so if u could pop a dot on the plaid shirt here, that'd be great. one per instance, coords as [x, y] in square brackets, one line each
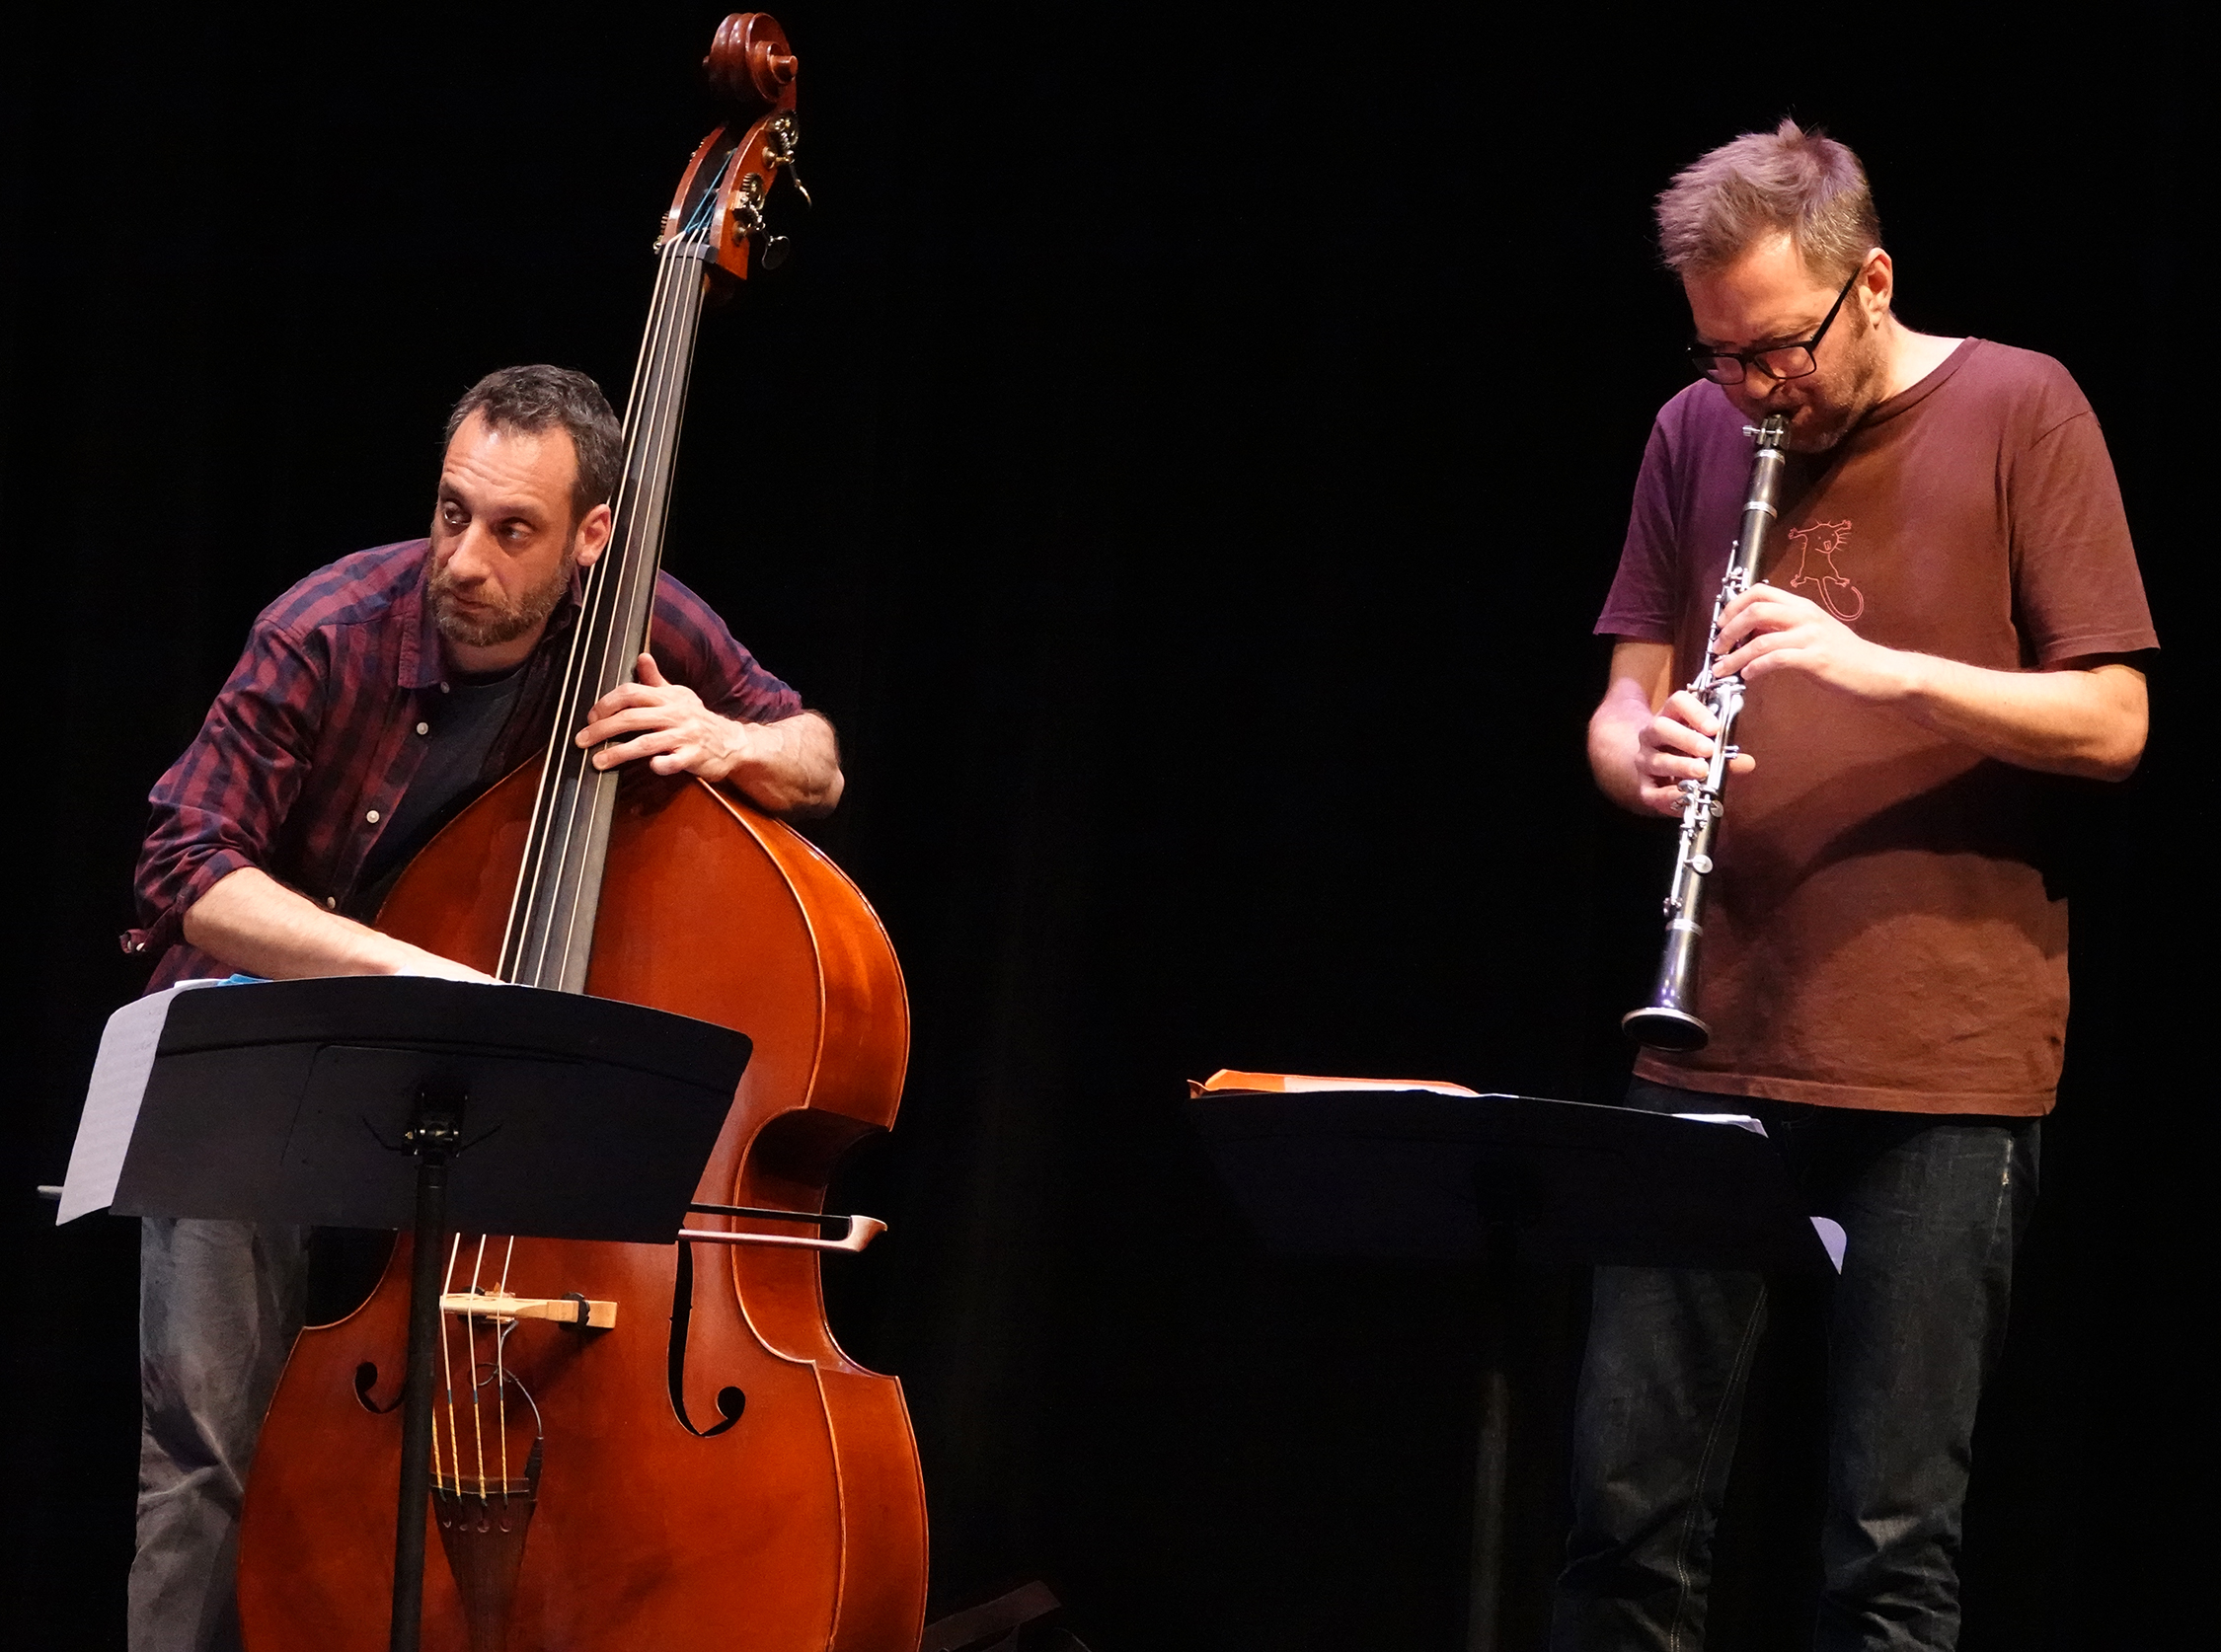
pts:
[311, 745]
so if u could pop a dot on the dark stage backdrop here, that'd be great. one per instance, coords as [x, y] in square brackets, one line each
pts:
[1185, 458]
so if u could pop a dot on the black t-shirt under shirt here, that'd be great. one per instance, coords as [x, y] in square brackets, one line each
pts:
[459, 733]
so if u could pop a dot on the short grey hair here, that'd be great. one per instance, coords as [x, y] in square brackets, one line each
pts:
[533, 400]
[1789, 180]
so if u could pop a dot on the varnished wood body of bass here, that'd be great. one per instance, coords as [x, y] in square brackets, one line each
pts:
[800, 1529]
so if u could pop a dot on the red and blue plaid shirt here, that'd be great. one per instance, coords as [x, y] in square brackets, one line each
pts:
[313, 740]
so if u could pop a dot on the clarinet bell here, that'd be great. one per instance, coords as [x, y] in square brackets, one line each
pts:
[1660, 1026]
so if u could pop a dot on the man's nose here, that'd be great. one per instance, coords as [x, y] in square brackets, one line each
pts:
[1761, 393]
[470, 559]
[1751, 397]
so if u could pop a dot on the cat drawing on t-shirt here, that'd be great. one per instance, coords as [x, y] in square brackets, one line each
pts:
[1819, 545]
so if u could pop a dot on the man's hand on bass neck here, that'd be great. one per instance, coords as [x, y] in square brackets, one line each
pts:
[791, 768]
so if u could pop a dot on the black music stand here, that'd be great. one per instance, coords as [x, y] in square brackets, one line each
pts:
[1418, 1175]
[1404, 1173]
[384, 1101]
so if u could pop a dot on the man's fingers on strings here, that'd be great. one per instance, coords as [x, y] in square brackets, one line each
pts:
[628, 695]
[650, 744]
[628, 721]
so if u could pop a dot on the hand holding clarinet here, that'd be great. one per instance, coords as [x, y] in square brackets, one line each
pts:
[1761, 630]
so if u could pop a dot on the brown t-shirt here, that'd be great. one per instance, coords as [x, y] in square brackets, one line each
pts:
[1878, 933]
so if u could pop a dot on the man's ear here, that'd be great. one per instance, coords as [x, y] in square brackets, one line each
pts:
[594, 534]
[1877, 282]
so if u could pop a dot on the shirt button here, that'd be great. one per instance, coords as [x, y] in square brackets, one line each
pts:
[424, 728]
[372, 817]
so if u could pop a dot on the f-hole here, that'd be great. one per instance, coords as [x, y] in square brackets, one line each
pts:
[731, 1401]
[367, 1379]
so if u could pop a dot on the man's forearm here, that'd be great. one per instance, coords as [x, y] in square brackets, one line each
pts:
[2081, 716]
[1613, 732]
[259, 926]
[791, 768]
[2087, 721]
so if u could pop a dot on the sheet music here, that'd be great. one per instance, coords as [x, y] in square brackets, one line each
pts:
[1741, 1121]
[111, 1100]
[1832, 1238]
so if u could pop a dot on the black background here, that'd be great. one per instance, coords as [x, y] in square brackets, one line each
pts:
[1185, 457]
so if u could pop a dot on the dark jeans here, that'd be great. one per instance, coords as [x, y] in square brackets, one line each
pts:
[1934, 1206]
[219, 1304]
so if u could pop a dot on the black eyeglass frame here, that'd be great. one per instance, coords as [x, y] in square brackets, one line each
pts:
[1704, 358]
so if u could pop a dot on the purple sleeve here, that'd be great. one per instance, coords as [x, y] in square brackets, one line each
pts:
[2076, 590]
[1643, 603]
[220, 805]
[693, 647]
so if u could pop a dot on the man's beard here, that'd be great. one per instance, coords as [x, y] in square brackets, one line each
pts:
[495, 621]
[1818, 424]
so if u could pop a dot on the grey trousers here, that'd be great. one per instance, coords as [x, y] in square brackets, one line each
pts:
[220, 1306]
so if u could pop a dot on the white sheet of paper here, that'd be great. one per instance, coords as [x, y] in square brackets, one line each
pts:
[111, 1101]
[1833, 1238]
[1741, 1121]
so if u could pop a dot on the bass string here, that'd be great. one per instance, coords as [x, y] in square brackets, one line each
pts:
[516, 967]
[500, 1372]
[470, 1353]
[615, 590]
[636, 577]
[544, 830]
[590, 643]
[633, 584]
[447, 1371]
[600, 622]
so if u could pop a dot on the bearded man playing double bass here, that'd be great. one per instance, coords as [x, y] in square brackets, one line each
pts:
[1949, 619]
[374, 700]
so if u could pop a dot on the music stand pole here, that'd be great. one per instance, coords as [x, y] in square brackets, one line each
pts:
[1493, 1453]
[436, 1134]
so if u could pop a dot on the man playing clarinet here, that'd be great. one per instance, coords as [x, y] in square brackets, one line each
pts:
[1947, 622]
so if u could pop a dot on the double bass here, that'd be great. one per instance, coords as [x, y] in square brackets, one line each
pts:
[633, 1446]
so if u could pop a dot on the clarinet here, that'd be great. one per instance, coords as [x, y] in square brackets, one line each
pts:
[1668, 1021]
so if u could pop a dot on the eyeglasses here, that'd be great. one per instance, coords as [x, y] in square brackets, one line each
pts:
[1779, 361]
